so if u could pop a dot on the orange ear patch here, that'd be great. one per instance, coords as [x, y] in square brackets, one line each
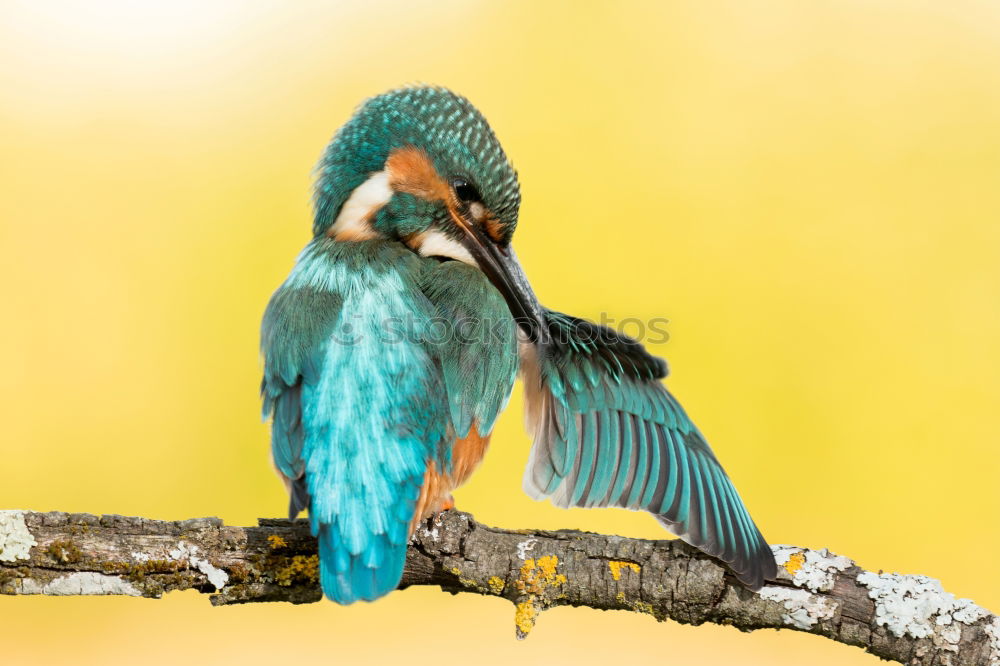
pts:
[494, 228]
[411, 171]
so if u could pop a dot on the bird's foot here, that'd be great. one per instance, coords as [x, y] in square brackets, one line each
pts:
[447, 503]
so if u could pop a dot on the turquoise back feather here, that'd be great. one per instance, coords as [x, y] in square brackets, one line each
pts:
[372, 405]
[367, 383]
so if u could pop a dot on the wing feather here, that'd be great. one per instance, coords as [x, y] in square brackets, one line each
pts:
[625, 467]
[607, 433]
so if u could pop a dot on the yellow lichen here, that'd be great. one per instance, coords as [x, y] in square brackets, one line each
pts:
[496, 584]
[536, 579]
[238, 573]
[643, 607]
[137, 573]
[537, 576]
[302, 568]
[524, 617]
[637, 605]
[276, 541]
[465, 582]
[616, 567]
[64, 551]
[794, 563]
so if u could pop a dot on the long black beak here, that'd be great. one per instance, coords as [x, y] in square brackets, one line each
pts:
[502, 268]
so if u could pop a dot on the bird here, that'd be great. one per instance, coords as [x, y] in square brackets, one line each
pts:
[395, 342]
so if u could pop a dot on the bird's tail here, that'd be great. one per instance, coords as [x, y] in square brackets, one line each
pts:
[363, 537]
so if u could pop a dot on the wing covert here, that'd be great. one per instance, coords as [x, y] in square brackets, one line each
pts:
[296, 325]
[478, 348]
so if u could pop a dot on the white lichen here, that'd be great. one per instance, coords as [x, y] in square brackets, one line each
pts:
[919, 607]
[804, 609]
[82, 582]
[189, 552]
[16, 541]
[993, 631]
[815, 570]
[967, 611]
[215, 575]
[426, 532]
[948, 637]
[524, 547]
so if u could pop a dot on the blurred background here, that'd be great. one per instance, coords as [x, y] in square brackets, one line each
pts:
[808, 191]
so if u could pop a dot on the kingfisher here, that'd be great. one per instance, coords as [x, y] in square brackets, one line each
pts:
[394, 344]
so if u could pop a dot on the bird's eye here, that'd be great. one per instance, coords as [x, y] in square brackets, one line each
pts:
[465, 191]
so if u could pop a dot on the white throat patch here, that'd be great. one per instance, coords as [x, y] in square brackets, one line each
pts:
[433, 243]
[354, 220]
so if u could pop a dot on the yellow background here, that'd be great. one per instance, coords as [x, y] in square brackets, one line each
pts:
[807, 190]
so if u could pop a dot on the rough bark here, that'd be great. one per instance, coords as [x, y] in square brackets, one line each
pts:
[908, 619]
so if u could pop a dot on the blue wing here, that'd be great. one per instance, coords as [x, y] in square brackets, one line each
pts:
[607, 433]
[479, 349]
[358, 405]
[296, 326]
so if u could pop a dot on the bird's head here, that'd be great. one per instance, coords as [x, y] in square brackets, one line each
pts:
[421, 166]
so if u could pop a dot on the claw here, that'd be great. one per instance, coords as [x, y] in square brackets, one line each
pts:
[448, 503]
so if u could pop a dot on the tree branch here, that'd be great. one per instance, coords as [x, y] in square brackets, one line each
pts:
[908, 619]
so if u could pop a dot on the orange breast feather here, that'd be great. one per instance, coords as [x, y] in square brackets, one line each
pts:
[466, 453]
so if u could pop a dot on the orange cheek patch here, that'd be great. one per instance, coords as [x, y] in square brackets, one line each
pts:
[411, 171]
[493, 228]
